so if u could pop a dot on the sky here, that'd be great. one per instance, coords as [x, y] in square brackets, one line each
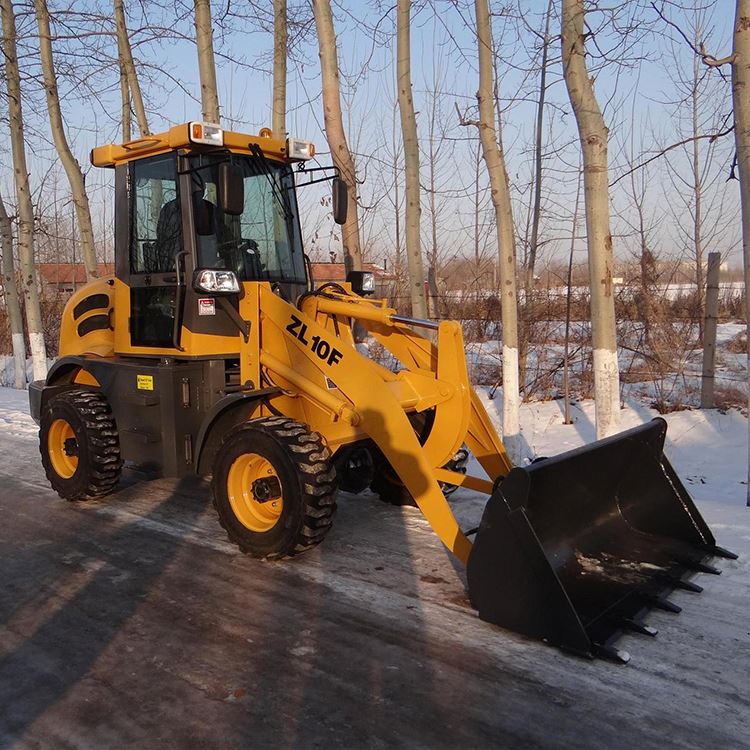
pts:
[634, 79]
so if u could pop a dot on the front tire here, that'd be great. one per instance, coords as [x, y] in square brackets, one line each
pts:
[274, 487]
[79, 445]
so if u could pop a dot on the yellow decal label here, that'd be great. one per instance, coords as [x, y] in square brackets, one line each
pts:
[145, 382]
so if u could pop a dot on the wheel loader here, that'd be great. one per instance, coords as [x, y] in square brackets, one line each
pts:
[210, 352]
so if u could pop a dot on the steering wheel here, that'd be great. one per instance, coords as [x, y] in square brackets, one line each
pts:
[251, 258]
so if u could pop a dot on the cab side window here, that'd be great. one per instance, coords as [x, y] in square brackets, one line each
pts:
[156, 221]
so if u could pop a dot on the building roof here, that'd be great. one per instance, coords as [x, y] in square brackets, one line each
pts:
[336, 272]
[70, 273]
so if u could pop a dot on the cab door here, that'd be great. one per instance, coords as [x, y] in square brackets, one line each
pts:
[150, 249]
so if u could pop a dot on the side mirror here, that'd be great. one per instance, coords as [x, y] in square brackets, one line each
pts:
[340, 200]
[231, 189]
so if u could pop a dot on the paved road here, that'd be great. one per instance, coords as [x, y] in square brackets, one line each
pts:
[132, 622]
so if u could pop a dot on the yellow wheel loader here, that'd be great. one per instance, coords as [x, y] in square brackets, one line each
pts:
[209, 352]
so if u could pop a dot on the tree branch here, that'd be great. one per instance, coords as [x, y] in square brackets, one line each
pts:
[711, 136]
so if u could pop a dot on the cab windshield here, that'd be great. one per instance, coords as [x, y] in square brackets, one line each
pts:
[263, 243]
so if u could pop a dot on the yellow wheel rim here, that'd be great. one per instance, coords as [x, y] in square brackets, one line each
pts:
[62, 447]
[241, 489]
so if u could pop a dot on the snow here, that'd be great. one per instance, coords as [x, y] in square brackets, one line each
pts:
[381, 590]
[708, 449]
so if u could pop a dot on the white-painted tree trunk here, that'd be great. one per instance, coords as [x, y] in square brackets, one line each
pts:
[593, 136]
[741, 101]
[29, 287]
[19, 360]
[70, 163]
[10, 296]
[38, 355]
[335, 134]
[204, 40]
[414, 260]
[506, 243]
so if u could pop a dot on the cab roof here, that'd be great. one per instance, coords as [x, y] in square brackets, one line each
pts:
[179, 137]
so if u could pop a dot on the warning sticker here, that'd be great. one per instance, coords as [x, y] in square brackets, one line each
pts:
[330, 384]
[145, 382]
[206, 306]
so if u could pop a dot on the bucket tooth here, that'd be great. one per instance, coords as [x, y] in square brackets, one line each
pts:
[659, 602]
[722, 552]
[699, 567]
[683, 585]
[610, 653]
[634, 626]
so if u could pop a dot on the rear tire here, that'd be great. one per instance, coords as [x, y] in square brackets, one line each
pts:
[79, 445]
[274, 487]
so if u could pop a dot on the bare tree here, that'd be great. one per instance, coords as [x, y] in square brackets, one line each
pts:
[204, 40]
[741, 101]
[10, 297]
[23, 194]
[334, 126]
[538, 160]
[411, 161]
[593, 136]
[495, 162]
[70, 163]
[130, 88]
[280, 41]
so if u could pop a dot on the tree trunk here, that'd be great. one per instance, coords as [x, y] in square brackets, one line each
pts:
[697, 188]
[537, 210]
[125, 118]
[500, 190]
[69, 162]
[411, 162]
[334, 126]
[593, 135]
[125, 56]
[204, 40]
[432, 271]
[10, 297]
[741, 102]
[280, 36]
[23, 195]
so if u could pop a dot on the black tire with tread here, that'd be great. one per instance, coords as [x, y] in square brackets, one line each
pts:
[305, 469]
[99, 462]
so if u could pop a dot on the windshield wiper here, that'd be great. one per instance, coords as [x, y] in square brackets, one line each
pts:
[269, 171]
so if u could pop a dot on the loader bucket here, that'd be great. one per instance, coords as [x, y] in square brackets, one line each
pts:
[575, 549]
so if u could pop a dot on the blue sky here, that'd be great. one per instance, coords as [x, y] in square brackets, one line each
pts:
[635, 85]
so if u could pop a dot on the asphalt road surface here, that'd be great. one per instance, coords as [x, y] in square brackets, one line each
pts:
[133, 622]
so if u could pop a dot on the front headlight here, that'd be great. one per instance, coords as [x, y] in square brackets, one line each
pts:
[206, 132]
[212, 281]
[363, 282]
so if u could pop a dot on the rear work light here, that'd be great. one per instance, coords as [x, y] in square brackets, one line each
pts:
[299, 150]
[207, 133]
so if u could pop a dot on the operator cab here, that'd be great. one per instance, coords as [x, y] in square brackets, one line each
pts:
[199, 211]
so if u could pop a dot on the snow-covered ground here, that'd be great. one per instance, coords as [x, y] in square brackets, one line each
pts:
[132, 619]
[708, 449]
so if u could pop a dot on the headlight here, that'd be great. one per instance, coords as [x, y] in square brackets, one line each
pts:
[363, 282]
[300, 150]
[206, 132]
[215, 282]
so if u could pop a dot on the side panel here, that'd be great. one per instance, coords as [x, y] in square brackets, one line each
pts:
[159, 405]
